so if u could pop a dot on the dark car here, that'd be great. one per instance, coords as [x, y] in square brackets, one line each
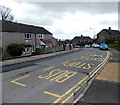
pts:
[103, 46]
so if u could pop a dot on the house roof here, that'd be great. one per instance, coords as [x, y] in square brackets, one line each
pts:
[86, 38]
[78, 39]
[64, 42]
[47, 41]
[8, 26]
[113, 32]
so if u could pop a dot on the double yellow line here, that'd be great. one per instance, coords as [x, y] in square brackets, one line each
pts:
[92, 73]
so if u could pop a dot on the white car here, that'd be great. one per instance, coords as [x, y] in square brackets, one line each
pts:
[95, 45]
[87, 46]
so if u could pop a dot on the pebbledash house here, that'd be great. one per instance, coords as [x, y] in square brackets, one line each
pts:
[30, 36]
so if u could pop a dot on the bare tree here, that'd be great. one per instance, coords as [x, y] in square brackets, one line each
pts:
[6, 13]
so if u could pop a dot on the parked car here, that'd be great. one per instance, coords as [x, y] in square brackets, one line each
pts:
[103, 46]
[95, 45]
[115, 42]
[77, 46]
[87, 46]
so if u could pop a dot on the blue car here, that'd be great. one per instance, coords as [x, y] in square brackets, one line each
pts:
[103, 46]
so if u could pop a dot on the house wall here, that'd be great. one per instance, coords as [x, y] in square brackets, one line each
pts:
[46, 37]
[12, 37]
[103, 36]
[75, 41]
[55, 42]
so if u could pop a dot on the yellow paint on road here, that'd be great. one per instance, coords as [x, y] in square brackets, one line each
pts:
[104, 61]
[49, 68]
[56, 101]
[83, 80]
[51, 74]
[58, 75]
[68, 98]
[75, 59]
[14, 81]
[52, 94]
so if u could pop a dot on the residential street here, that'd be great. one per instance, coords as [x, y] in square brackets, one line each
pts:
[52, 79]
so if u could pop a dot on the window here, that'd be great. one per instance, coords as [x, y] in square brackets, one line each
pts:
[28, 36]
[40, 36]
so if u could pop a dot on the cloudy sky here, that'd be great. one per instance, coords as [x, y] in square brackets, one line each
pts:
[66, 19]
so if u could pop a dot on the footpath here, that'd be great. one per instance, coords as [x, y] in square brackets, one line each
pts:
[36, 57]
[104, 89]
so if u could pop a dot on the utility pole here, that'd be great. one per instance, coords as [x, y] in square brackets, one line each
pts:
[93, 34]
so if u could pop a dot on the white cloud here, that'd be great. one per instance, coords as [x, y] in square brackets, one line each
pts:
[66, 20]
[80, 23]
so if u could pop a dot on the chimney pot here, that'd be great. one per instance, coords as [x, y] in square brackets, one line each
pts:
[109, 28]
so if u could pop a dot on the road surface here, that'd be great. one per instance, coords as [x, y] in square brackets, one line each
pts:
[50, 80]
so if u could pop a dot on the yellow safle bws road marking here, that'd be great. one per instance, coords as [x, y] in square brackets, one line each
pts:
[14, 81]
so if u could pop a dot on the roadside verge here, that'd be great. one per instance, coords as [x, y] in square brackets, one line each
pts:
[36, 57]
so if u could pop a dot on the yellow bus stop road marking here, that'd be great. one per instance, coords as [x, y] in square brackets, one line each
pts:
[52, 94]
[60, 97]
[14, 81]
[49, 68]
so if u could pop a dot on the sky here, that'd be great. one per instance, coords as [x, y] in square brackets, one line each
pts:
[66, 19]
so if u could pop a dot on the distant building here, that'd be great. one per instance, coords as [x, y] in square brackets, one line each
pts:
[108, 36]
[81, 40]
[64, 42]
[31, 37]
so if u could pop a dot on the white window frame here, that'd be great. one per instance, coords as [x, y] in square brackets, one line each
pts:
[29, 36]
[40, 36]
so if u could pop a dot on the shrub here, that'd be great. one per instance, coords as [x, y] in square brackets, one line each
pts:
[15, 49]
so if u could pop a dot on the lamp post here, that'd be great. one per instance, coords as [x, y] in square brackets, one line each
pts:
[93, 34]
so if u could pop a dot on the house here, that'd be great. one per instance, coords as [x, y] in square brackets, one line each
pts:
[31, 37]
[81, 40]
[64, 42]
[108, 36]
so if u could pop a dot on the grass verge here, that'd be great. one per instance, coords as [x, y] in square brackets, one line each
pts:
[10, 57]
[115, 46]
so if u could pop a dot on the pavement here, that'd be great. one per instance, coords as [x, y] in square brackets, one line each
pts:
[104, 90]
[36, 57]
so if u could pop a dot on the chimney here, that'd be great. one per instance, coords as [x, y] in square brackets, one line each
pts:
[109, 28]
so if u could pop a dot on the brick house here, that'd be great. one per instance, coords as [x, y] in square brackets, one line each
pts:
[108, 36]
[31, 37]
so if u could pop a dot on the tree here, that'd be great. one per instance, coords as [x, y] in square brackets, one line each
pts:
[6, 13]
[15, 49]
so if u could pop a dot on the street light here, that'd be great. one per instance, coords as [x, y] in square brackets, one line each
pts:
[93, 33]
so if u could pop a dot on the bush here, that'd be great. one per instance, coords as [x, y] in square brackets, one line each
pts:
[115, 46]
[15, 49]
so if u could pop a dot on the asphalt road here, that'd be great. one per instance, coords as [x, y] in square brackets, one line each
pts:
[49, 80]
[105, 88]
